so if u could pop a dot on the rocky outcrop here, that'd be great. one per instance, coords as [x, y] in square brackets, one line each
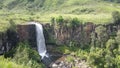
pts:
[8, 40]
[63, 62]
[54, 35]
[79, 35]
[27, 33]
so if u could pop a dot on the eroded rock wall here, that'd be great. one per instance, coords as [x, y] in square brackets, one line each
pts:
[78, 35]
[27, 33]
[8, 40]
[65, 35]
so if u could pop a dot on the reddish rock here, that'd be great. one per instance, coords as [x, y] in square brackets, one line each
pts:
[27, 33]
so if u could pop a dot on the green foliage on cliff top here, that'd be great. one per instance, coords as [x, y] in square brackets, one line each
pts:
[96, 11]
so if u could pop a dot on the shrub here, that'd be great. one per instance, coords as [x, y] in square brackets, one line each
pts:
[102, 35]
[70, 59]
[52, 21]
[27, 56]
[116, 16]
[111, 44]
[96, 58]
[109, 61]
[7, 63]
[75, 22]
[12, 25]
[117, 60]
[59, 20]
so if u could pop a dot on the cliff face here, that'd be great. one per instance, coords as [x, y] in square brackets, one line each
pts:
[79, 35]
[27, 33]
[1, 43]
[23, 33]
[8, 40]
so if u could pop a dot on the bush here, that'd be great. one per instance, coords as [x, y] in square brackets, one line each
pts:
[27, 56]
[52, 21]
[101, 36]
[117, 61]
[59, 20]
[96, 58]
[111, 44]
[7, 63]
[75, 22]
[116, 16]
[12, 25]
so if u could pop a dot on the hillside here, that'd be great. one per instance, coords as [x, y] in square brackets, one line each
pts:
[96, 11]
[61, 6]
[59, 33]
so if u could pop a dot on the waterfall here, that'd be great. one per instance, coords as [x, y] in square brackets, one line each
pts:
[40, 40]
[45, 57]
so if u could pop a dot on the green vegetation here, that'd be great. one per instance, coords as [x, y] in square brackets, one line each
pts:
[26, 56]
[101, 51]
[102, 36]
[116, 16]
[96, 57]
[21, 57]
[7, 63]
[21, 11]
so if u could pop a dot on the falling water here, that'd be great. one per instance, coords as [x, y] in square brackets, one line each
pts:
[41, 44]
[40, 40]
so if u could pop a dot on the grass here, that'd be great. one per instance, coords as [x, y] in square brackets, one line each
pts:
[96, 11]
[7, 63]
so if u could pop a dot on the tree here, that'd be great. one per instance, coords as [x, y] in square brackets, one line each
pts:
[118, 39]
[93, 39]
[109, 62]
[59, 20]
[111, 44]
[52, 21]
[75, 22]
[116, 1]
[101, 35]
[1, 5]
[116, 16]
[12, 25]
[117, 59]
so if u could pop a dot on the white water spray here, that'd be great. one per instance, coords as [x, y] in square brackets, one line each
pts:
[40, 39]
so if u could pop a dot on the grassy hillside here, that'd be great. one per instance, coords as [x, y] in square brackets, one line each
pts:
[96, 11]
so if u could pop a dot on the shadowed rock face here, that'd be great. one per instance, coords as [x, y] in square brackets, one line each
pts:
[80, 34]
[1, 43]
[27, 33]
[8, 40]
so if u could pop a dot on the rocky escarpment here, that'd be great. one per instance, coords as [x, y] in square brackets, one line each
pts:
[8, 40]
[78, 35]
[54, 35]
